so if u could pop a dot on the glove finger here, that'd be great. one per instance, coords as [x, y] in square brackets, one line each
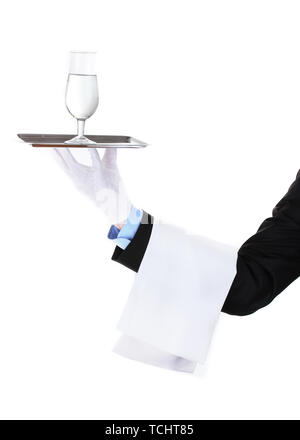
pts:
[96, 161]
[70, 164]
[66, 157]
[110, 157]
[60, 160]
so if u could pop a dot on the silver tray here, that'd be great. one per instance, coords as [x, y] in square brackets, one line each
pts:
[102, 141]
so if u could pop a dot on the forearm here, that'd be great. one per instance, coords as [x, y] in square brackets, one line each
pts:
[269, 260]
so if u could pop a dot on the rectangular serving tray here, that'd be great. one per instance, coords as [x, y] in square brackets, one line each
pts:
[102, 141]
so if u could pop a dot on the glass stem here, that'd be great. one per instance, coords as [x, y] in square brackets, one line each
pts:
[80, 127]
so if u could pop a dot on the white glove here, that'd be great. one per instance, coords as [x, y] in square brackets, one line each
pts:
[101, 181]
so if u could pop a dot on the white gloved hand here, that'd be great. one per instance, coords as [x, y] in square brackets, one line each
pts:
[101, 181]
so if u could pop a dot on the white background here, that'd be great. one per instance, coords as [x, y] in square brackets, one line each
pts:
[214, 87]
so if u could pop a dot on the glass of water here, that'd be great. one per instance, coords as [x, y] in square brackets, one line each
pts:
[82, 92]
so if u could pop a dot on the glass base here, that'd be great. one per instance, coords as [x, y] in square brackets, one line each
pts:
[80, 140]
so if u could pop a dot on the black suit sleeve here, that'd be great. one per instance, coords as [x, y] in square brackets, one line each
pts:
[270, 260]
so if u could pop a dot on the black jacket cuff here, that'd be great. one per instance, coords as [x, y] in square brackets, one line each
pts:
[133, 255]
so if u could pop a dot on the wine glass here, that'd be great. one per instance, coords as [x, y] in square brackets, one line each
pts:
[82, 92]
